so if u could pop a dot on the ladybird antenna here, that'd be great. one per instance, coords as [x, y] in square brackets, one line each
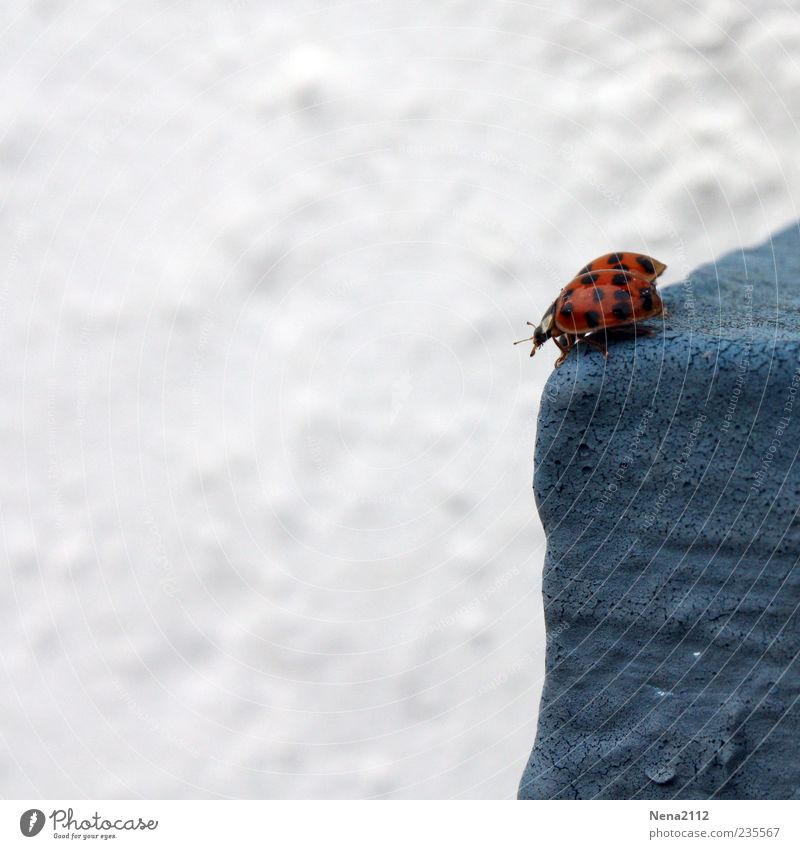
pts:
[530, 338]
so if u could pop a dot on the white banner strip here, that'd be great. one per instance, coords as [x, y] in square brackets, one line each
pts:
[387, 825]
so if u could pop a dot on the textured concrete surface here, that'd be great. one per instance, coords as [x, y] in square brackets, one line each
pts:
[668, 484]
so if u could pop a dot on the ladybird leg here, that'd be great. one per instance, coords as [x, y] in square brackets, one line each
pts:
[564, 347]
[597, 344]
[632, 331]
[642, 330]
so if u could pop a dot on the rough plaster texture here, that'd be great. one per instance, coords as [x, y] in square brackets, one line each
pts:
[265, 518]
[668, 483]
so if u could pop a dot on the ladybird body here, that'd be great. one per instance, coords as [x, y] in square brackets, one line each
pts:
[616, 290]
[605, 299]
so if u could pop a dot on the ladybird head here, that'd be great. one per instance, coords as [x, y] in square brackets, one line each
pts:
[541, 331]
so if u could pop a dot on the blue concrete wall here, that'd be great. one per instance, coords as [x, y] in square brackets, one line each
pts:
[668, 482]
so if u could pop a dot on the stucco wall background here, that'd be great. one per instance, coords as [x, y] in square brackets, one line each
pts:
[266, 509]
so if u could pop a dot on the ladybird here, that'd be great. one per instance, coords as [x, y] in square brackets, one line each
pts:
[614, 290]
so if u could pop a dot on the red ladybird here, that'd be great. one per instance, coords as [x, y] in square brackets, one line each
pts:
[614, 290]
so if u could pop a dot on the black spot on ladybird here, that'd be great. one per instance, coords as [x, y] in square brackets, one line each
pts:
[622, 312]
[646, 263]
[585, 269]
[568, 293]
[598, 295]
[616, 258]
[592, 318]
[647, 298]
[621, 266]
[620, 279]
[589, 279]
[566, 310]
[622, 295]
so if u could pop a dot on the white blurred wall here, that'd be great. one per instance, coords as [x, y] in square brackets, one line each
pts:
[266, 513]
